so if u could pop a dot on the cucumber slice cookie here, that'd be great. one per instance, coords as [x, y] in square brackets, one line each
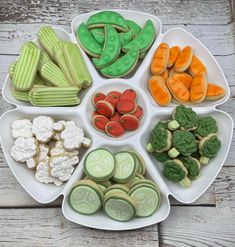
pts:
[99, 165]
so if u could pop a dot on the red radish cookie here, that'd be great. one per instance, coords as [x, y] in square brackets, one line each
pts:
[118, 94]
[98, 96]
[129, 122]
[116, 117]
[112, 99]
[129, 94]
[114, 129]
[139, 112]
[126, 106]
[104, 108]
[94, 113]
[99, 122]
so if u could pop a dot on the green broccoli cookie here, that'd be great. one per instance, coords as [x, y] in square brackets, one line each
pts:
[192, 165]
[186, 117]
[159, 140]
[209, 146]
[174, 170]
[184, 142]
[206, 125]
[161, 124]
[161, 156]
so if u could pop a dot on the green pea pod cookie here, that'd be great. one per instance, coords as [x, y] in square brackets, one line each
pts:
[99, 30]
[26, 68]
[133, 26]
[111, 48]
[76, 65]
[87, 42]
[107, 17]
[126, 37]
[123, 66]
[99, 37]
[144, 39]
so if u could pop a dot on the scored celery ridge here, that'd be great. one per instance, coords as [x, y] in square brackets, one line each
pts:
[76, 65]
[26, 68]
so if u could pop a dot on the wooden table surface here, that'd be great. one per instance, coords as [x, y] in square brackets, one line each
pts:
[210, 221]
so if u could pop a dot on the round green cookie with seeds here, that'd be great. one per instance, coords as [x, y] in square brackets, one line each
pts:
[209, 146]
[186, 117]
[206, 125]
[184, 141]
[174, 170]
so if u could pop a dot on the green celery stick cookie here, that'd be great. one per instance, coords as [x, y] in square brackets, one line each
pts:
[174, 170]
[53, 74]
[107, 17]
[123, 66]
[144, 39]
[76, 65]
[133, 26]
[11, 69]
[87, 42]
[26, 68]
[209, 146]
[186, 117]
[99, 37]
[23, 96]
[111, 48]
[206, 125]
[47, 38]
[184, 142]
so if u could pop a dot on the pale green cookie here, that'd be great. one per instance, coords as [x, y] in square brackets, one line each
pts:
[111, 48]
[144, 39]
[133, 26]
[123, 66]
[107, 17]
[23, 96]
[87, 42]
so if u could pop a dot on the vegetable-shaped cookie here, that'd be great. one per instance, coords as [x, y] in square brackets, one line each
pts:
[24, 148]
[165, 74]
[160, 59]
[135, 28]
[21, 128]
[174, 53]
[185, 78]
[159, 91]
[161, 124]
[174, 170]
[178, 90]
[43, 152]
[184, 59]
[206, 125]
[114, 129]
[144, 39]
[123, 65]
[107, 17]
[184, 142]
[161, 156]
[186, 117]
[209, 146]
[111, 48]
[192, 165]
[196, 66]
[214, 92]
[159, 140]
[99, 122]
[198, 88]
[86, 197]
[87, 42]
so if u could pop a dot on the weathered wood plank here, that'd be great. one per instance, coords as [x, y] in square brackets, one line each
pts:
[198, 226]
[62, 12]
[221, 193]
[48, 227]
[219, 39]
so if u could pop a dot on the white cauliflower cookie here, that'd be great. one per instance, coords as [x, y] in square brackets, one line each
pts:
[57, 137]
[42, 174]
[21, 128]
[24, 149]
[58, 149]
[61, 167]
[31, 163]
[42, 128]
[58, 126]
[72, 137]
[43, 152]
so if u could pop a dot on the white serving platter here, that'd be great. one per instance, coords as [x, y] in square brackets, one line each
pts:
[129, 141]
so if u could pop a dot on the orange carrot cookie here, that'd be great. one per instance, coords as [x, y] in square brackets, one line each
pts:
[198, 88]
[159, 91]
[178, 90]
[174, 53]
[184, 59]
[196, 66]
[165, 74]
[186, 79]
[160, 59]
[214, 92]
